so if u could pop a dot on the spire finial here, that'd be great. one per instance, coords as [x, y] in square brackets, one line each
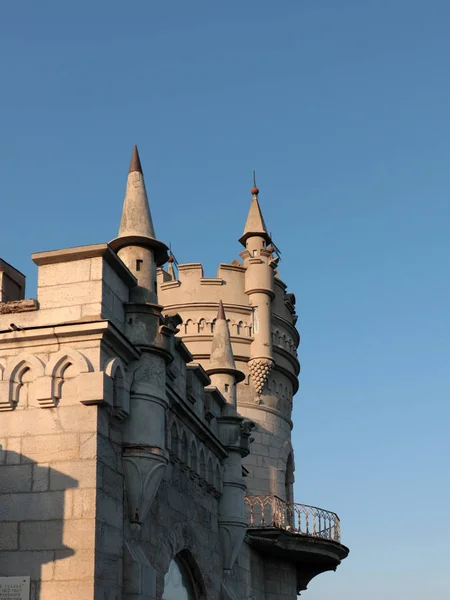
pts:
[135, 164]
[221, 311]
[254, 191]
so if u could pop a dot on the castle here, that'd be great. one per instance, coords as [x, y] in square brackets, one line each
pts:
[145, 438]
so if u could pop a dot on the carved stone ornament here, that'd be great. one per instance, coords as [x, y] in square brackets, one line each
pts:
[46, 380]
[259, 371]
[144, 468]
[232, 535]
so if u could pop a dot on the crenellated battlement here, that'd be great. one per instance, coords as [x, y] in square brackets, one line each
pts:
[227, 286]
[188, 289]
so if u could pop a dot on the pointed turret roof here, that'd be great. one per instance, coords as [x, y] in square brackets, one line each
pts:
[136, 225]
[222, 359]
[255, 221]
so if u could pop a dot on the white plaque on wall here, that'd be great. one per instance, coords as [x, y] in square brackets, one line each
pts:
[15, 588]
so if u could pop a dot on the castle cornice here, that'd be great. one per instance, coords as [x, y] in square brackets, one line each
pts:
[82, 330]
[268, 409]
[239, 308]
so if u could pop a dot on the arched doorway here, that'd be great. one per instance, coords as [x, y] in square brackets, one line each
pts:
[181, 582]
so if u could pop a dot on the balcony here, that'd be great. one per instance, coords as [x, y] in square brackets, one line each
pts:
[307, 536]
[301, 519]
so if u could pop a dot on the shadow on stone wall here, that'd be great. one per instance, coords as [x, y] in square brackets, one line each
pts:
[32, 519]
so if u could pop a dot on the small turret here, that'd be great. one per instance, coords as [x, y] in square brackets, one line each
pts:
[222, 368]
[259, 287]
[136, 243]
[233, 433]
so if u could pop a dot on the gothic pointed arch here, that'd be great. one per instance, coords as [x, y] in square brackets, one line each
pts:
[70, 376]
[286, 465]
[210, 472]
[217, 478]
[115, 369]
[194, 456]
[202, 464]
[184, 448]
[65, 357]
[182, 546]
[174, 441]
[23, 369]
[183, 578]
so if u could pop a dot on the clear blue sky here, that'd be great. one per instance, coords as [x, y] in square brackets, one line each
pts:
[343, 109]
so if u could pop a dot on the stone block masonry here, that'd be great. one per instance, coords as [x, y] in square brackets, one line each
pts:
[48, 482]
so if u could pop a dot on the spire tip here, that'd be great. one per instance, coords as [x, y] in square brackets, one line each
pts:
[254, 191]
[135, 164]
[221, 311]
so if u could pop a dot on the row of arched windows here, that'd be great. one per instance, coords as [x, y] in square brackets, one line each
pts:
[206, 326]
[284, 341]
[282, 391]
[185, 448]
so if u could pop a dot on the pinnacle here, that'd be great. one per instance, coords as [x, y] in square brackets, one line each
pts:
[135, 164]
[222, 359]
[221, 350]
[221, 312]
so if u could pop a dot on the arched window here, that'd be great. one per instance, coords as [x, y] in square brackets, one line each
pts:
[184, 449]
[289, 479]
[194, 463]
[174, 440]
[180, 582]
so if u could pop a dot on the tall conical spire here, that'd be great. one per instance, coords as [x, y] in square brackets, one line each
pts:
[136, 217]
[222, 360]
[136, 225]
[255, 222]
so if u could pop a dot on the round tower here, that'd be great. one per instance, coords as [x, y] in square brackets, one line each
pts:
[261, 319]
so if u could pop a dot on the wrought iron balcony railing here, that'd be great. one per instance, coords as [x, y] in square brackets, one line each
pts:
[271, 511]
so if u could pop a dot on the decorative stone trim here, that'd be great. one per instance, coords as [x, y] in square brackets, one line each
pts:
[12, 378]
[144, 467]
[92, 387]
